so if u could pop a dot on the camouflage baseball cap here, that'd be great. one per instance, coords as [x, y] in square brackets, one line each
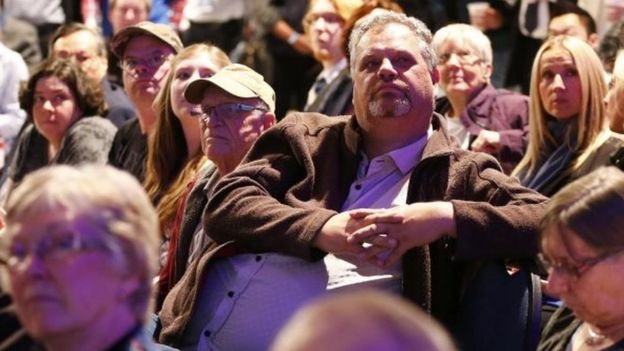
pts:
[159, 31]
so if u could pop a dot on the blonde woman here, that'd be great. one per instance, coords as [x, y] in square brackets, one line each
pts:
[174, 152]
[569, 132]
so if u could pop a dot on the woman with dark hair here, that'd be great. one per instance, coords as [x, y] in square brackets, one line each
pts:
[63, 108]
[583, 243]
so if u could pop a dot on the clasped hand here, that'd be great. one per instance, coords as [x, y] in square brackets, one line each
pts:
[382, 236]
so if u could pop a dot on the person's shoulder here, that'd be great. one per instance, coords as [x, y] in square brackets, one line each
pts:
[312, 122]
[94, 125]
[130, 128]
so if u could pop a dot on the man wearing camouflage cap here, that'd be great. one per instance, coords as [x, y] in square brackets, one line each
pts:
[145, 51]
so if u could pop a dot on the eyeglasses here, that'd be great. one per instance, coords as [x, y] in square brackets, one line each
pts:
[328, 17]
[575, 270]
[463, 57]
[52, 248]
[153, 61]
[229, 110]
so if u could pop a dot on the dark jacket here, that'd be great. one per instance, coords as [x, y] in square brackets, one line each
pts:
[335, 98]
[297, 175]
[120, 108]
[501, 111]
[129, 149]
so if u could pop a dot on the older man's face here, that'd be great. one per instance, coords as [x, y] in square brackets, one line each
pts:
[227, 131]
[393, 86]
[81, 47]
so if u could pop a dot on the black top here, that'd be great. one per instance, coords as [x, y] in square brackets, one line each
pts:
[559, 331]
[129, 149]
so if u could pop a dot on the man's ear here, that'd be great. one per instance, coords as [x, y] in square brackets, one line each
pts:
[268, 120]
[435, 75]
[593, 40]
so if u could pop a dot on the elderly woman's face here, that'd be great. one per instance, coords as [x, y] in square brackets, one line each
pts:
[188, 70]
[559, 84]
[54, 109]
[585, 280]
[461, 69]
[62, 276]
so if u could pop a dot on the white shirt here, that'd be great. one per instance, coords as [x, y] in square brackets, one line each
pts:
[457, 129]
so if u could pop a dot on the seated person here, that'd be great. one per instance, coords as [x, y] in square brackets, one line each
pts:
[86, 47]
[569, 132]
[324, 23]
[224, 142]
[81, 274]
[64, 108]
[482, 118]
[379, 199]
[582, 241]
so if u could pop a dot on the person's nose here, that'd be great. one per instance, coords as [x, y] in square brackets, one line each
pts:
[558, 82]
[386, 70]
[130, 15]
[47, 105]
[453, 60]
[32, 266]
[142, 69]
[557, 283]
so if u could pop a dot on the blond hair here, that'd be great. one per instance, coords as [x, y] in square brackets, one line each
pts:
[592, 123]
[169, 167]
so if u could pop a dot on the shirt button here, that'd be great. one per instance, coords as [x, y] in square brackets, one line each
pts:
[230, 294]
[207, 333]
[258, 258]
[358, 186]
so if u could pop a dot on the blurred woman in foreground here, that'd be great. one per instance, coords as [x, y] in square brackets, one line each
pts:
[583, 243]
[80, 275]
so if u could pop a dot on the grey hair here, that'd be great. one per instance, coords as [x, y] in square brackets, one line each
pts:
[384, 17]
[465, 34]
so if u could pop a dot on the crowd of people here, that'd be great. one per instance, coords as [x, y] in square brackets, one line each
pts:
[311, 175]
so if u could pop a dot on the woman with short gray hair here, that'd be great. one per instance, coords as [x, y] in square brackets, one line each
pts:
[480, 116]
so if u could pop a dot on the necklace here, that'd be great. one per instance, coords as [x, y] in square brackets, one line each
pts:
[594, 338]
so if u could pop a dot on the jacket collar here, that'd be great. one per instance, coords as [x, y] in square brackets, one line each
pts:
[439, 144]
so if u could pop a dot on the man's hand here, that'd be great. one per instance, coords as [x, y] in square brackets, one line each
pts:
[410, 225]
[487, 141]
[333, 235]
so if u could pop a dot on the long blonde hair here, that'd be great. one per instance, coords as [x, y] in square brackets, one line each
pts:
[592, 123]
[169, 167]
